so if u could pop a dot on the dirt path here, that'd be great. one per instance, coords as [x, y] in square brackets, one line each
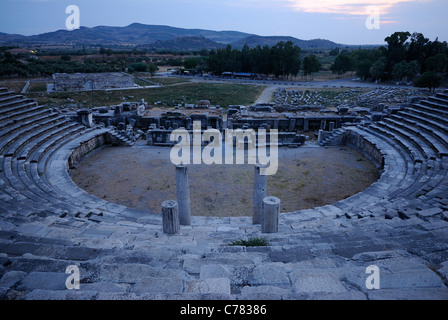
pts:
[143, 177]
[266, 96]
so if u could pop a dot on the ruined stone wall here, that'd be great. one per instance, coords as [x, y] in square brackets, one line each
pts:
[89, 81]
[85, 148]
[369, 150]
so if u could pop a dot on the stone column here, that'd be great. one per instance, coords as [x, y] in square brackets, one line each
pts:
[332, 125]
[306, 124]
[260, 186]
[292, 125]
[271, 212]
[323, 125]
[320, 136]
[149, 138]
[183, 195]
[170, 217]
[85, 116]
[188, 123]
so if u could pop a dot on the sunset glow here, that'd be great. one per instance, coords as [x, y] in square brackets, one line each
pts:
[349, 7]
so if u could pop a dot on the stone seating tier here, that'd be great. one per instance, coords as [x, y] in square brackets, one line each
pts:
[48, 223]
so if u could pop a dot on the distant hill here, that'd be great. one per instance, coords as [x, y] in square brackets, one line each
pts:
[254, 40]
[186, 44]
[155, 37]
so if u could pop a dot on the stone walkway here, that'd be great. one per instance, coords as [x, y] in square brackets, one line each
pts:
[314, 256]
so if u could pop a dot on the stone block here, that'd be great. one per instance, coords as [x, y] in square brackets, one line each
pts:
[270, 274]
[210, 285]
[60, 295]
[304, 281]
[238, 275]
[159, 285]
[429, 213]
[43, 281]
[264, 293]
[11, 278]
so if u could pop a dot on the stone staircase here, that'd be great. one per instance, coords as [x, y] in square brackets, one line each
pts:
[47, 223]
[334, 138]
[118, 139]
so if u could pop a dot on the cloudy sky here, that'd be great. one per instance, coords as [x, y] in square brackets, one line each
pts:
[342, 21]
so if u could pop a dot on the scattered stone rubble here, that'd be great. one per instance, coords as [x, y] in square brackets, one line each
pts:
[354, 99]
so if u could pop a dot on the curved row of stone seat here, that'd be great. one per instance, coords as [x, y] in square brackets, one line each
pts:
[49, 223]
[46, 142]
[35, 148]
[414, 146]
[29, 133]
[397, 173]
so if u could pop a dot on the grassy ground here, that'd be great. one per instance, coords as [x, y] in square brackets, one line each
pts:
[13, 85]
[171, 95]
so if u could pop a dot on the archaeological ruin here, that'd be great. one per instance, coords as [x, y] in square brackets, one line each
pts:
[399, 224]
[92, 81]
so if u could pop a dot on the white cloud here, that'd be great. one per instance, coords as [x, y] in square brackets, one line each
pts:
[347, 7]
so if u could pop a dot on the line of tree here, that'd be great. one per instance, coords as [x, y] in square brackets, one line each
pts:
[406, 57]
[11, 65]
[282, 60]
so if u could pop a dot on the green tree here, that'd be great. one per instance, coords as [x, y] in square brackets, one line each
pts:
[190, 63]
[138, 67]
[342, 64]
[396, 49]
[430, 80]
[153, 68]
[412, 69]
[285, 59]
[437, 63]
[418, 48]
[66, 58]
[378, 68]
[363, 69]
[335, 52]
[311, 65]
[405, 70]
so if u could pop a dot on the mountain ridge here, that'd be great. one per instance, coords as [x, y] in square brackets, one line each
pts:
[155, 36]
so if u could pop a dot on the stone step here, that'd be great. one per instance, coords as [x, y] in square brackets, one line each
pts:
[441, 121]
[421, 141]
[45, 115]
[41, 154]
[5, 92]
[68, 129]
[409, 146]
[35, 132]
[428, 107]
[440, 99]
[423, 121]
[24, 119]
[438, 139]
[413, 130]
[16, 106]
[23, 112]
[408, 173]
[5, 100]
[442, 96]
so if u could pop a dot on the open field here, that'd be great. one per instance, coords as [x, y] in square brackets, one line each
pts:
[171, 95]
